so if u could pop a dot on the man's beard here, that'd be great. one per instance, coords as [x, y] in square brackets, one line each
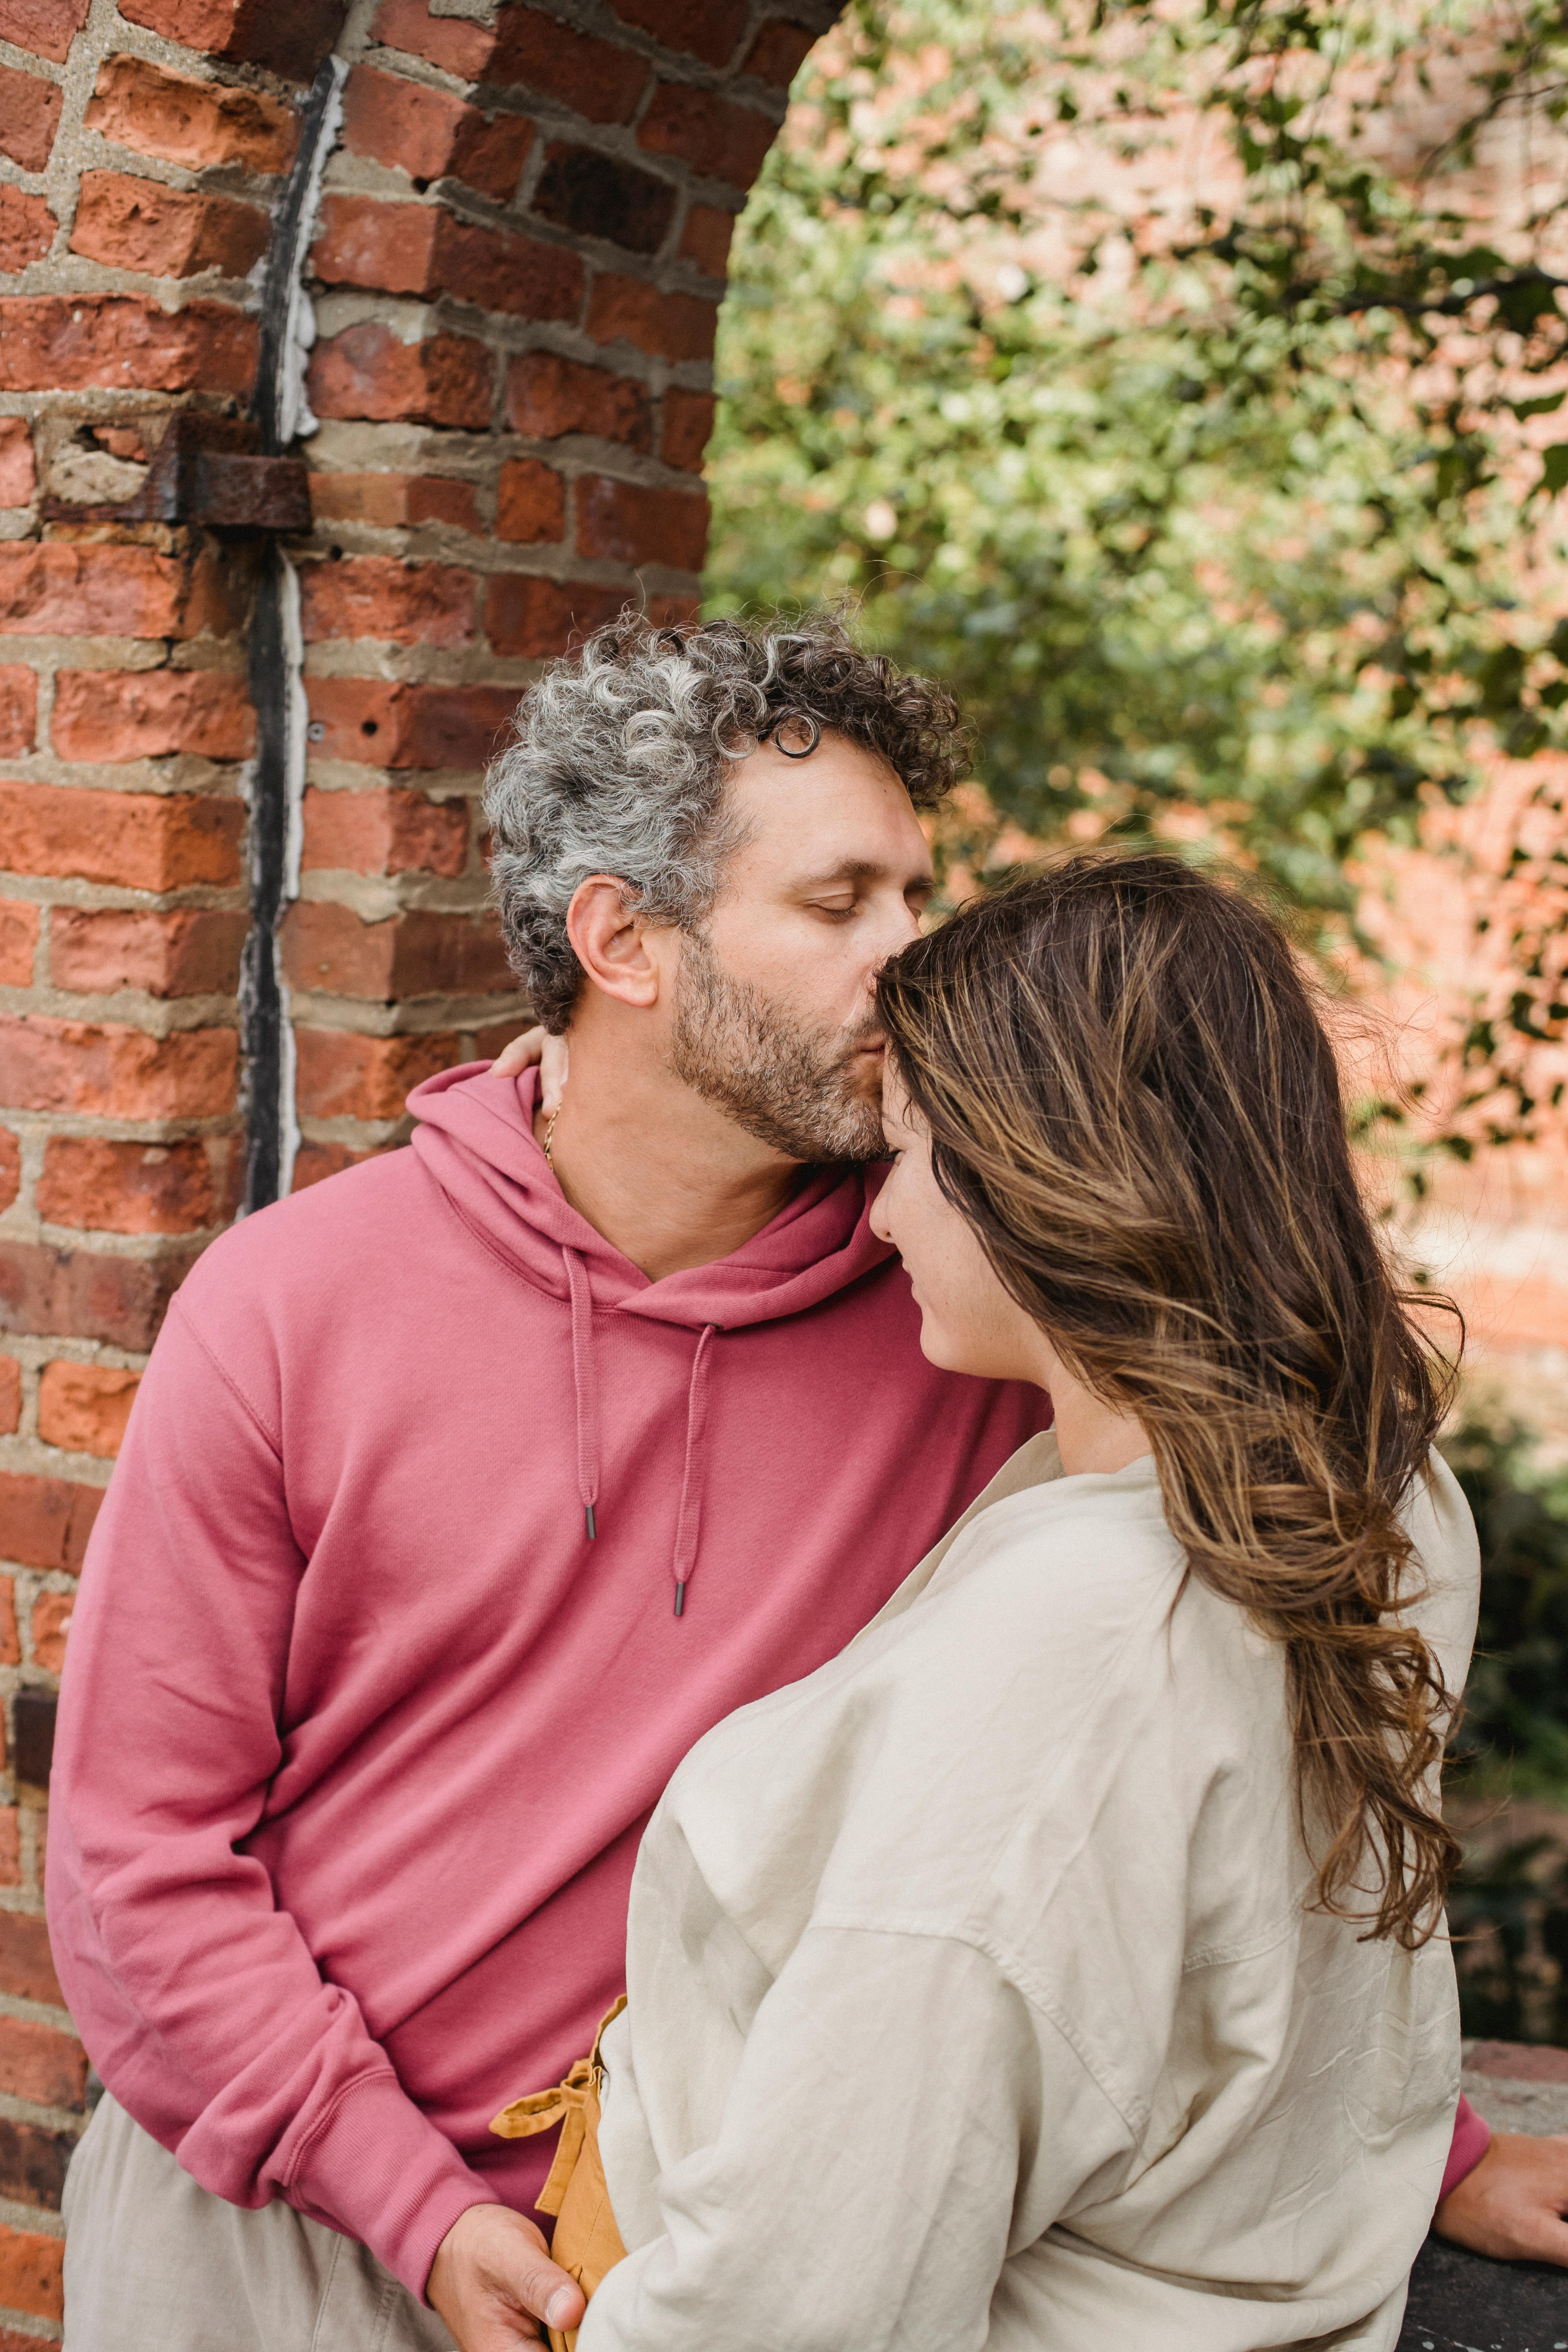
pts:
[801, 1091]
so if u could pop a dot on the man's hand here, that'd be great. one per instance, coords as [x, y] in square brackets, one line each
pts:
[1511, 2206]
[549, 1052]
[492, 2280]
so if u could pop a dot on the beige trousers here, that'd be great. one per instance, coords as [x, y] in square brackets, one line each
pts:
[155, 2264]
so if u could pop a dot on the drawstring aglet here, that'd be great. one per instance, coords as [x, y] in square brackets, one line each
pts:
[680, 1599]
[588, 1516]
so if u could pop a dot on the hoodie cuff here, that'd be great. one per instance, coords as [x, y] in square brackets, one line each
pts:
[1471, 2140]
[378, 2170]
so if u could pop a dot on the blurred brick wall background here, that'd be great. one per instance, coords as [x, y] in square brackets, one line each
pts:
[515, 270]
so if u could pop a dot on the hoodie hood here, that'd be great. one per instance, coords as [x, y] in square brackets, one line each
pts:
[476, 1138]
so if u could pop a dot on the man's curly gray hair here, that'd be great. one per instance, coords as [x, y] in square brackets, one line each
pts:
[622, 751]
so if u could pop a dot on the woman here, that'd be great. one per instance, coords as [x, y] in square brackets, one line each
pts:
[1061, 1966]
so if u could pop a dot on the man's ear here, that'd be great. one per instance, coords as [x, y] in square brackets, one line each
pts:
[609, 938]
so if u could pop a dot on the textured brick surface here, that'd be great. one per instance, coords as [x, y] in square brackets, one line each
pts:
[530, 503]
[290, 36]
[125, 1188]
[110, 591]
[547, 396]
[111, 715]
[388, 501]
[10, 1394]
[31, 2267]
[429, 134]
[18, 709]
[85, 1407]
[44, 1523]
[637, 525]
[26, 233]
[708, 30]
[594, 196]
[409, 248]
[535, 618]
[669, 326]
[38, 2061]
[116, 1072]
[19, 929]
[96, 951]
[386, 725]
[125, 343]
[29, 115]
[368, 371]
[377, 597]
[343, 1075]
[384, 833]
[154, 111]
[82, 1292]
[151, 841]
[130, 223]
[17, 473]
[46, 28]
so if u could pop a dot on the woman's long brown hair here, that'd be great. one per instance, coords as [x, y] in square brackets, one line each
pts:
[1134, 1104]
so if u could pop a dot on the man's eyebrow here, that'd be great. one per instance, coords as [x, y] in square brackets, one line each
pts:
[852, 869]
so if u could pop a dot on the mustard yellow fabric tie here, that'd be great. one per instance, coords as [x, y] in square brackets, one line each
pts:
[587, 2242]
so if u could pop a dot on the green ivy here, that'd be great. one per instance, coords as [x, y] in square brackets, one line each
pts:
[1198, 521]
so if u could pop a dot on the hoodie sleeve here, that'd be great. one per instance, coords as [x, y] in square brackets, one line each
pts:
[903, 2120]
[196, 1993]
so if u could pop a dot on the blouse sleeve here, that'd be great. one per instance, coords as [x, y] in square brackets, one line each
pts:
[901, 2121]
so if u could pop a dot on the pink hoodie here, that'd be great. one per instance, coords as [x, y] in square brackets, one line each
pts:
[362, 1722]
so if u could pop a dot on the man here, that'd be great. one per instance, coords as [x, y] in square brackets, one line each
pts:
[466, 1491]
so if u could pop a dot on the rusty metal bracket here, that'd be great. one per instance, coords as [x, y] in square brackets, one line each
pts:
[211, 470]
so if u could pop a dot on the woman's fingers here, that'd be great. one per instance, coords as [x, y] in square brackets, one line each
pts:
[519, 1055]
[1512, 2205]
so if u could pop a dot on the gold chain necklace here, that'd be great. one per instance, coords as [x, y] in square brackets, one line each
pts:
[549, 1135]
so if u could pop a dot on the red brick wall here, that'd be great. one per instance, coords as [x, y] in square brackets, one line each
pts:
[514, 273]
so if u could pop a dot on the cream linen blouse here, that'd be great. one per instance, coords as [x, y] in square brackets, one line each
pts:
[974, 1998]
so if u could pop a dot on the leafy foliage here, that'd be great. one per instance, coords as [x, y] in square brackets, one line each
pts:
[1147, 375]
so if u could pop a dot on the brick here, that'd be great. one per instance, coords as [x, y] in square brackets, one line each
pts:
[595, 78]
[386, 724]
[365, 372]
[387, 831]
[594, 196]
[153, 112]
[130, 223]
[18, 942]
[423, 952]
[107, 1187]
[547, 396]
[56, 590]
[455, 43]
[669, 326]
[78, 1294]
[46, 28]
[708, 30]
[44, 1523]
[376, 596]
[39, 2063]
[27, 1972]
[11, 1869]
[705, 240]
[27, 232]
[421, 250]
[530, 503]
[637, 525]
[145, 841]
[389, 501]
[16, 468]
[112, 1072]
[10, 1168]
[313, 1164]
[95, 951]
[687, 426]
[431, 135]
[720, 140]
[85, 1407]
[18, 708]
[779, 51]
[50, 343]
[535, 618]
[10, 1395]
[291, 39]
[31, 2268]
[50, 1627]
[343, 1075]
[29, 115]
[115, 715]
[32, 2162]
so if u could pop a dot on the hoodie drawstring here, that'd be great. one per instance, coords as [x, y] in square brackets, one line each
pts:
[689, 1516]
[585, 1379]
